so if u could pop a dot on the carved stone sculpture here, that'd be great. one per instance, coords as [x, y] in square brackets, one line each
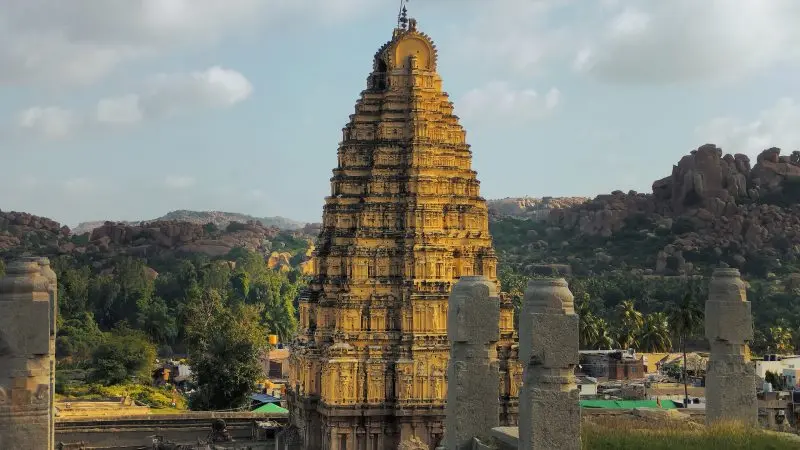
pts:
[730, 378]
[549, 408]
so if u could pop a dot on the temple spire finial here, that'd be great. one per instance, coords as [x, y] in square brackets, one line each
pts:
[402, 16]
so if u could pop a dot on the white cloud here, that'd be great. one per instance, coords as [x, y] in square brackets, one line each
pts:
[179, 182]
[655, 41]
[163, 96]
[499, 102]
[81, 41]
[50, 122]
[171, 94]
[517, 34]
[775, 126]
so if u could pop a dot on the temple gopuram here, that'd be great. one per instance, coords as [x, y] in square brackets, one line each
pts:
[403, 222]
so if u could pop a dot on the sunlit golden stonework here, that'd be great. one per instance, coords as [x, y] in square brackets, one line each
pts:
[403, 221]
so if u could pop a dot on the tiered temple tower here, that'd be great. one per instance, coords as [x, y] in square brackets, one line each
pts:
[404, 220]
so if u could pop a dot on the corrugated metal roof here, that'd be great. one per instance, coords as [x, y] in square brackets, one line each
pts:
[627, 404]
[265, 398]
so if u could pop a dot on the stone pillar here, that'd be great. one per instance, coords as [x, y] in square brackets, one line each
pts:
[52, 288]
[473, 393]
[26, 352]
[549, 407]
[730, 378]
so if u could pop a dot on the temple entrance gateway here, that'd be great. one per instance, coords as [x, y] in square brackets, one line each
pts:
[405, 220]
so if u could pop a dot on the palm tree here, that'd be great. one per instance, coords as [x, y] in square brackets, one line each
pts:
[587, 325]
[686, 319]
[588, 330]
[604, 340]
[631, 322]
[655, 334]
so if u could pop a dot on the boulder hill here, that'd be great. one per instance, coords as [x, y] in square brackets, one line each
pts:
[23, 232]
[714, 206]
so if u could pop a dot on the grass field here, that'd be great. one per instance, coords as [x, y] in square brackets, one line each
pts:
[626, 436]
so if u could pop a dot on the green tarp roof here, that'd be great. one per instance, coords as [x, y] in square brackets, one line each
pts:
[271, 408]
[627, 404]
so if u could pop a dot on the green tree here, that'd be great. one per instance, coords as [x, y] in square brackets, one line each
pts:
[73, 287]
[630, 321]
[277, 295]
[604, 339]
[78, 337]
[240, 284]
[655, 334]
[780, 338]
[156, 319]
[225, 346]
[686, 319]
[124, 355]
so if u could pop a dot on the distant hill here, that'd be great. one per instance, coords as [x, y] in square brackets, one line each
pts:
[218, 218]
[530, 207]
[215, 235]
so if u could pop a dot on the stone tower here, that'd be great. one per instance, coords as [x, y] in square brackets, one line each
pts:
[404, 221]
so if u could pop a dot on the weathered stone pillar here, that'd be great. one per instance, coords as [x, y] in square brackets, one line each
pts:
[26, 352]
[730, 378]
[52, 288]
[549, 408]
[473, 392]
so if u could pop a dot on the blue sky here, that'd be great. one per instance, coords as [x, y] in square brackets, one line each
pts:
[127, 109]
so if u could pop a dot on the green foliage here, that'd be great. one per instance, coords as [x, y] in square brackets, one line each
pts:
[285, 242]
[123, 355]
[225, 342]
[654, 335]
[2, 268]
[152, 396]
[777, 381]
[78, 337]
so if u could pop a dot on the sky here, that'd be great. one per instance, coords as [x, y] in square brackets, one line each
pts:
[128, 109]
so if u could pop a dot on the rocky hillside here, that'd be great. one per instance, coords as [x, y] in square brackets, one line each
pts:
[22, 232]
[712, 209]
[218, 218]
[530, 207]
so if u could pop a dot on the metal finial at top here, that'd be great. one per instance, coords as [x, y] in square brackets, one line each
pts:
[402, 16]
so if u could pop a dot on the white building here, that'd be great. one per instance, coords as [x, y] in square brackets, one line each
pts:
[776, 364]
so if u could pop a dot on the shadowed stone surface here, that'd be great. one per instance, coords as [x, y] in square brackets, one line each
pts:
[730, 379]
[27, 332]
[549, 410]
[473, 405]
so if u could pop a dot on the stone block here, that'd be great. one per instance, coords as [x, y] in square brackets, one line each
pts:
[38, 343]
[729, 321]
[473, 307]
[551, 421]
[550, 339]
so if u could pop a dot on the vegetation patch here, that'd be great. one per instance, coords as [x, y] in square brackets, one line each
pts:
[622, 436]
